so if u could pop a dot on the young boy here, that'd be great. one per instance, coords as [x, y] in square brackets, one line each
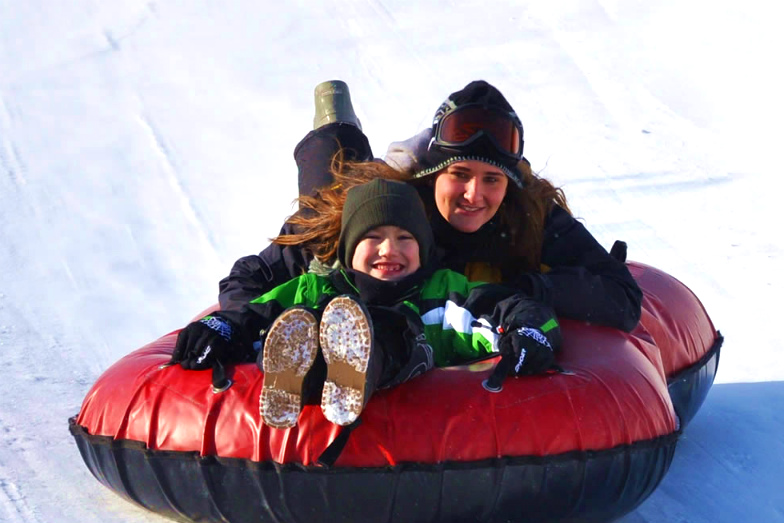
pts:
[385, 316]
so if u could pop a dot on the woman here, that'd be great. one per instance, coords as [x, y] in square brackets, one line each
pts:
[492, 218]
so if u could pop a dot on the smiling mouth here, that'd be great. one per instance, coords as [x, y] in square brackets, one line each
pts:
[388, 267]
[469, 208]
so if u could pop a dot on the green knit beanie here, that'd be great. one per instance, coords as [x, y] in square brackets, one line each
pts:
[383, 202]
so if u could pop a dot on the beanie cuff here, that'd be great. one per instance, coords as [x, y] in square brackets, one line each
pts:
[513, 175]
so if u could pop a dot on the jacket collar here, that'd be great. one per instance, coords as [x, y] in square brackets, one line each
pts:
[380, 292]
[454, 249]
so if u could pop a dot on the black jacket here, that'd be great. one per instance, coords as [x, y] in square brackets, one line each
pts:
[581, 280]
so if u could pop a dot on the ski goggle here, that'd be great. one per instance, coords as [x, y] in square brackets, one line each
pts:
[463, 125]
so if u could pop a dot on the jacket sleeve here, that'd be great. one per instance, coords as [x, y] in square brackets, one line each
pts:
[502, 309]
[252, 276]
[584, 281]
[461, 318]
[407, 154]
[255, 317]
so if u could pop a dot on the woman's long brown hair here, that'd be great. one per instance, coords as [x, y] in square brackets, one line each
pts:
[522, 214]
[317, 221]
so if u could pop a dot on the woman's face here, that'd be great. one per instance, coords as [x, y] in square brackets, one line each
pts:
[469, 193]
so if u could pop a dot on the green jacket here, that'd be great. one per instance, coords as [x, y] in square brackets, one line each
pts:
[459, 319]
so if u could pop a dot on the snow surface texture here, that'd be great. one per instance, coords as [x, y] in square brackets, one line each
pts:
[146, 145]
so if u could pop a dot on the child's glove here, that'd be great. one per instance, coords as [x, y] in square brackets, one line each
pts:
[203, 342]
[530, 351]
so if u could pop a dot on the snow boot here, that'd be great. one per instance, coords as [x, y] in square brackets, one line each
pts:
[333, 104]
[289, 351]
[346, 336]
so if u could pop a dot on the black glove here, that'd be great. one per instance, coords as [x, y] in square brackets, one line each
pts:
[202, 343]
[530, 350]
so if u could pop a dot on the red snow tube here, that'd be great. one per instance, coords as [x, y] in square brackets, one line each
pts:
[586, 445]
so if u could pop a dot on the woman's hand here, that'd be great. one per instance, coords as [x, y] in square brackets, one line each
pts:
[529, 349]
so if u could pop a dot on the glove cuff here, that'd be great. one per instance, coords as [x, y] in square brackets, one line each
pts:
[536, 335]
[219, 325]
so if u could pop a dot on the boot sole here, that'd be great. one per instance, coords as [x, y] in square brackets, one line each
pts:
[346, 337]
[289, 352]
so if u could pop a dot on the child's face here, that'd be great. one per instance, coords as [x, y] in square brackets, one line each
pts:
[387, 253]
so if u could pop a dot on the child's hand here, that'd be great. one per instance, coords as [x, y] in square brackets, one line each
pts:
[202, 343]
[531, 351]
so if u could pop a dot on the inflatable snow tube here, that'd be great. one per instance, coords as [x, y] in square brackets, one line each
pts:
[586, 445]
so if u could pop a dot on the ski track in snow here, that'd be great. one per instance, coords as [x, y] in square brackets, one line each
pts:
[115, 41]
[172, 170]
[654, 184]
[13, 503]
[10, 160]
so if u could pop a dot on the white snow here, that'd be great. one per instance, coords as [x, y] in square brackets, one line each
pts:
[145, 145]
